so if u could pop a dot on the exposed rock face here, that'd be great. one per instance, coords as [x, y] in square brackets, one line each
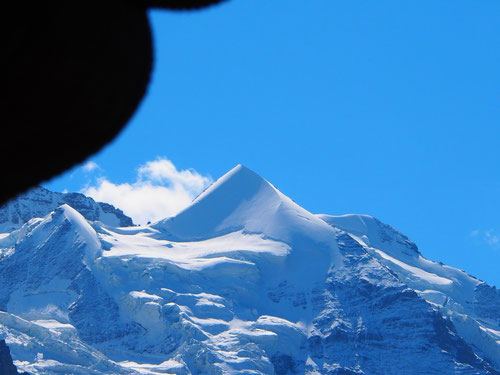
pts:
[6, 365]
[242, 281]
[39, 202]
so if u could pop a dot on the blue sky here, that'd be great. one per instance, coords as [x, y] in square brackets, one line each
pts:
[387, 108]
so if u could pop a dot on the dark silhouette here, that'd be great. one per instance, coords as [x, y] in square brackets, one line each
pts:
[6, 365]
[75, 73]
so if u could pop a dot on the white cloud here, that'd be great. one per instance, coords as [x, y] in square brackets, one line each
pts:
[489, 237]
[163, 171]
[492, 238]
[161, 190]
[90, 166]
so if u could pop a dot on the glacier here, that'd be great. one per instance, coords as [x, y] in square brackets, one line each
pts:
[243, 281]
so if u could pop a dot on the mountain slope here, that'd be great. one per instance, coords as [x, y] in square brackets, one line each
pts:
[470, 304]
[242, 281]
[38, 202]
[241, 200]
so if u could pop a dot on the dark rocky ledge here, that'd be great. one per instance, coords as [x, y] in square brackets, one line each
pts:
[6, 365]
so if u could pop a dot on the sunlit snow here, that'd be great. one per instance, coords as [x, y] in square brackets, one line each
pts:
[242, 281]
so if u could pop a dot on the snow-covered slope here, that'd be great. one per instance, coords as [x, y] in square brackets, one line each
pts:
[242, 281]
[38, 202]
[242, 200]
[471, 305]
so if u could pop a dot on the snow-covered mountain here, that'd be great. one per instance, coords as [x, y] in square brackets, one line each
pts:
[242, 281]
[39, 202]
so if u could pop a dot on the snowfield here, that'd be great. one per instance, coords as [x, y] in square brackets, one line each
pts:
[243, 281]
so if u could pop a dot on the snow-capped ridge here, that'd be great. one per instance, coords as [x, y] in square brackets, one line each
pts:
[243, 280]
[238, 172]
[37, 273]
[239, 200]
[39, 202]
[372, 232]
[63, 219]
[84, 230]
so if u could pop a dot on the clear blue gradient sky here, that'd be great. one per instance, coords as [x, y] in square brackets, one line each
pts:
[389, 108]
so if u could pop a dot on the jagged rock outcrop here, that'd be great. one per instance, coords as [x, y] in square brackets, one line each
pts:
[39, 202]
[6, 365]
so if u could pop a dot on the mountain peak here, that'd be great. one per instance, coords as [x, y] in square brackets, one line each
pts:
[241, 200]
[229, 204]
[246, 279]
[39, 202]
[239, 179]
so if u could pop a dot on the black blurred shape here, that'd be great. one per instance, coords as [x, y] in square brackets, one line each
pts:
[75, 73]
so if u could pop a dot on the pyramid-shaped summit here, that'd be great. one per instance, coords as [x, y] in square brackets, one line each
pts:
[242, 281]
[241, 199]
